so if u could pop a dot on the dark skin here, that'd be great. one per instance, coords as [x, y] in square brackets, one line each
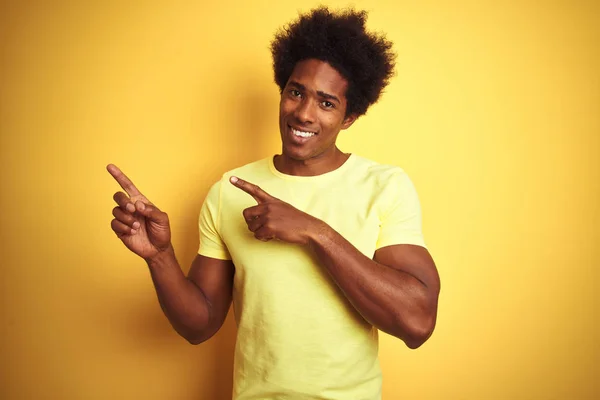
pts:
[314, 101]
[396, 291]
[195, 305]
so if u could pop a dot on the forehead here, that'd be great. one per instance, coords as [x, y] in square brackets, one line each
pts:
[317, 75]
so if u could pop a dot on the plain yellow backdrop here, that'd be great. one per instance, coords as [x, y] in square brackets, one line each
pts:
[494, 113]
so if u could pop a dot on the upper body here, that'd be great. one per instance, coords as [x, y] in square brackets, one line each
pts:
[351, 248]
[297, 332]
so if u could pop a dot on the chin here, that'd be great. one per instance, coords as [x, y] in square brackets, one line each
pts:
[294, 155]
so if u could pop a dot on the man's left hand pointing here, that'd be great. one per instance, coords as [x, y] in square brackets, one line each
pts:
[272, 218]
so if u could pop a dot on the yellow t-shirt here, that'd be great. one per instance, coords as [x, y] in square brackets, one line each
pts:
[298, 336]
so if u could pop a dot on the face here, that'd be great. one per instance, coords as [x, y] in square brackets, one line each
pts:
[312, 111]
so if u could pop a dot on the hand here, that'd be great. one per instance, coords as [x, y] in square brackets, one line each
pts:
[142, 227]
[276, 219]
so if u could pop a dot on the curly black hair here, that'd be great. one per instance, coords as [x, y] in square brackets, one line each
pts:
[364, 59]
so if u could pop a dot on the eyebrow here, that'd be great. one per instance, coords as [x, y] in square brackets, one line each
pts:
[319, 92]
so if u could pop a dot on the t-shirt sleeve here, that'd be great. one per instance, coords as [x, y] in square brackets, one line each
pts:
[211, 243]
[401, 215]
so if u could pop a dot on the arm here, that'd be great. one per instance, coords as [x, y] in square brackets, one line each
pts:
[197, 305]
[397, 291]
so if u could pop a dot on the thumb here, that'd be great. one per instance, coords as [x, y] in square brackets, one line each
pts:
[151, 212]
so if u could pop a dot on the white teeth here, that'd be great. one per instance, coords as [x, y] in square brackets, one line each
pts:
[302, 134]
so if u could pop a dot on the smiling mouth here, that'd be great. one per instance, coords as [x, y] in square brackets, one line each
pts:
[302, 134]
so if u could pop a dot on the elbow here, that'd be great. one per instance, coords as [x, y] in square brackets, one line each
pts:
[195, 337]
[195, 331]
[418, 331]
[194, 340]
[414, 343]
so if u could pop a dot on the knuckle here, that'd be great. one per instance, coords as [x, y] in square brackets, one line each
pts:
[126, 219]
[122, 201]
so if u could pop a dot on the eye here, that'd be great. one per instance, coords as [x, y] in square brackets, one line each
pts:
[295, 93]
[327, 104]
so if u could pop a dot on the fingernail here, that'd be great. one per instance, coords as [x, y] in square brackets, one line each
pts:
[130, 207]
[136, 225]
[233, 179]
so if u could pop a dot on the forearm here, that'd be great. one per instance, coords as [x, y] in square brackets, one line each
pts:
[393, 300]
[182, 302]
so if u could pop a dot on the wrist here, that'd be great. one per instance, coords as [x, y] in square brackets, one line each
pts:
[162, 257]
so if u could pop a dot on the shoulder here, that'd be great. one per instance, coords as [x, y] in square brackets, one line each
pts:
[226, 194]
[383, 175]
[256, 167]
[246, 172]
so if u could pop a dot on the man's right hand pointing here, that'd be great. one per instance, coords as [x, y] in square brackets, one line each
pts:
[142, 227]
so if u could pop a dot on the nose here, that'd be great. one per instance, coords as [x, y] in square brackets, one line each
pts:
[305, 111]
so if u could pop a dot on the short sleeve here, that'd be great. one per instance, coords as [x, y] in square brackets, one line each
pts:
[211, 243]
[401, 213]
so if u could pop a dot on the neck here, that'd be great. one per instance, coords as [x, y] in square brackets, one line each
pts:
[313, 166]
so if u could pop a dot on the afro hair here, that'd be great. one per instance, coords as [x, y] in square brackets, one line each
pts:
[365, 59]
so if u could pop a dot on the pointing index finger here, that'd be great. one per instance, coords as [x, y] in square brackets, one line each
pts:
[256, 192]
[123, 180]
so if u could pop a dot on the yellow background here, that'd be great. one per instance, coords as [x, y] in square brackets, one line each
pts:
[494, 113]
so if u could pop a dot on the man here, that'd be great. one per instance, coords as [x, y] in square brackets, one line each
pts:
[323, 252]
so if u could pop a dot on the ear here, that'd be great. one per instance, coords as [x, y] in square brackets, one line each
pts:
[349, 120]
